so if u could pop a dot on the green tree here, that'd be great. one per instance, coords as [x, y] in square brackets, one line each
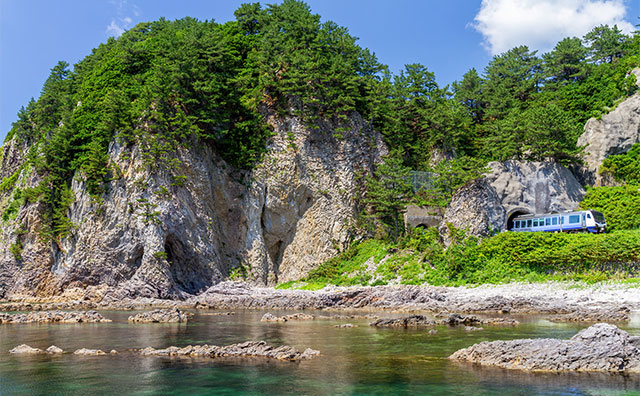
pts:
[511, 80]
[606, 44]
[566, 63]
[388, 192]
[469, 93]
[624, 167]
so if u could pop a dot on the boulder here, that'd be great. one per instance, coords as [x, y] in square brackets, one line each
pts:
[54, 350]
[25, 349]
[161, 316]
[601, 347]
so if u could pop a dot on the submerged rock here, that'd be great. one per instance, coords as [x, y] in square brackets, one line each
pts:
[451, 320]
[245, 349]
[161, 316]
[268, 317]
[89, 352]
[584, 315]
[25, 349]
[601, 347]
[473, 321]
[409, 321]
[54, 317]
[54, 350]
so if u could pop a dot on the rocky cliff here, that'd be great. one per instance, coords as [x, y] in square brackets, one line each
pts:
[614, 133]
[157, 235]
[511, 188]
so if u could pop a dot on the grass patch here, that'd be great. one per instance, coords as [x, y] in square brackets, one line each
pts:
[506, 257]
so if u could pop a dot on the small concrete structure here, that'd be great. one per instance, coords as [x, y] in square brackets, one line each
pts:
[422, 216]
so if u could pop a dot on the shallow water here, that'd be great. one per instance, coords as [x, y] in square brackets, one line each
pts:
[355, 361]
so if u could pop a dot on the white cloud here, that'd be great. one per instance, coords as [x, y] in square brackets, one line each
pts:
[114, 29]
[124, 21]
[540, 24]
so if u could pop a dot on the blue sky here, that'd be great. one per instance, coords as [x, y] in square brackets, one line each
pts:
[449, 37]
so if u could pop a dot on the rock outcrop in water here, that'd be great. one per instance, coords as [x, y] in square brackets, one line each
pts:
[601, 347]
[409, 321]
[54, 317]
[161, 316]
[250, 349]
[150, 236]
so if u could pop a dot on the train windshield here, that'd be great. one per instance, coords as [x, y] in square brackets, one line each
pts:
[599, 217]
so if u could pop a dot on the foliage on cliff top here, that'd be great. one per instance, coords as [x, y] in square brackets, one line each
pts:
[167, 84]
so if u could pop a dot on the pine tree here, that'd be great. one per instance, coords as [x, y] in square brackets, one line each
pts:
[387, 195]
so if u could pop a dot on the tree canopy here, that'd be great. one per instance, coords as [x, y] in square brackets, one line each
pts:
[167, 84]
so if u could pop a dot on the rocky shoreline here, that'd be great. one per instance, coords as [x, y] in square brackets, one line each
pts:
[558, 301]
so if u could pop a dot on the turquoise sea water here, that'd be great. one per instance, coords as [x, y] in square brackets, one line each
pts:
[355, 361]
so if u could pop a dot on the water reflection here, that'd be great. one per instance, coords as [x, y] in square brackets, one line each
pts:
[359, 360]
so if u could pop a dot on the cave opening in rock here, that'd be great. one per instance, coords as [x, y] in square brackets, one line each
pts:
[275, 253]
[187, 274]
[513, 214]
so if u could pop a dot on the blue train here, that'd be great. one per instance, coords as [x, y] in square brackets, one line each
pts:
[578, 221]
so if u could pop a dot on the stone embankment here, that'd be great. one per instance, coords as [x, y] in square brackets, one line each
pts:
[161, 316]
[243, 350]
[54, 317]
[601, 347]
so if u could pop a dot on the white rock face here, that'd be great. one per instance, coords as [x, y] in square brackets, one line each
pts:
[148, 236]
[486, 205]
[615, 133]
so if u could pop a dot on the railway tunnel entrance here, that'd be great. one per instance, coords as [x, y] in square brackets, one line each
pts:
[513, 213]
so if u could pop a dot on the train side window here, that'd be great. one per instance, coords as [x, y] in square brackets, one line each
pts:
[562, 220]
[547, 221]
[529, 223]
[588, 215]
[555, 221]
[574, 219]
[535, 222]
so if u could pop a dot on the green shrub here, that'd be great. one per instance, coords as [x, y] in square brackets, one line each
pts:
[620, 205]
